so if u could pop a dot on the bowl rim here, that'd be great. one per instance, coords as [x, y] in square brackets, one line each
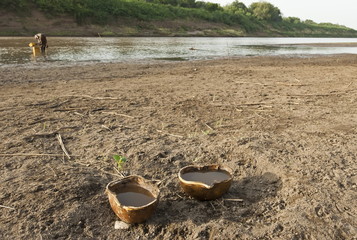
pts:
[200, 167]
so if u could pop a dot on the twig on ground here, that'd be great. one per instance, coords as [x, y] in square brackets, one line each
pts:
[213, 233]
[7, 108]
[59, 138]
[2, 206]
[42, 120]
[255, 83]
[59, 104]
[213, 206]
[118, 114]
[157, 181]
[263, 104]
[88, 166]
[119, 173]
[291, 84]
[349, 84]
[179, 195]
[96, 98]
[33, 155]
[260, 116]
[56, 175]
[233, 199]
[49, 134]
[79, 114]
[332, 93]
[108, 128]
[209, 127]
[274, 84]
[110, 173]
[70, 109]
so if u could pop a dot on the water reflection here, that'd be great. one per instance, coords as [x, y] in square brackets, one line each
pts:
[64, 50]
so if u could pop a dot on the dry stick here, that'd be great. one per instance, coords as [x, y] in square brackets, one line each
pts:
[113, 174]
[213, 233]
[156, 181]
[48, 134]
[312, 95]
[209, 127]
[59, 104]
[79, 114]
[59, 138]
[108, 128]
[245, 104]
[212, 206]
[32, 155]
[118, 114]
[7, 108]
[70, 109]
[179, 195]
[277, 83]
[291, 84]
[333, 93]
[88, 166]
[7, 207]
[120, 173]
[56, 175]
[233, 199]
[256, 83]
[96, 98]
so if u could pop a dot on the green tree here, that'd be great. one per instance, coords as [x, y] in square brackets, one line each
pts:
[265, 11]
[237, 7]
[294, 20]
[186, 3]
[208, 6]
[308, 21]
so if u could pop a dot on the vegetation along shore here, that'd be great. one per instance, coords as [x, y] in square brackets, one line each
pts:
[156, 18]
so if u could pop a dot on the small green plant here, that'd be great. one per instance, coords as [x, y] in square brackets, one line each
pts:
[207, 132]
[120, 160]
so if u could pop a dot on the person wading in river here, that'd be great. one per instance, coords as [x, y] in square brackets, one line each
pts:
[42, 41]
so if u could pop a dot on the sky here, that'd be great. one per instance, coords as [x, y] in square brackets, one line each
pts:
[343, 12]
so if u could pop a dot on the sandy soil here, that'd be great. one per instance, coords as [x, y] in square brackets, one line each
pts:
[286, 126]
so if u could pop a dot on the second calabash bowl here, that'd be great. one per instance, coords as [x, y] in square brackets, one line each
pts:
[205, 182]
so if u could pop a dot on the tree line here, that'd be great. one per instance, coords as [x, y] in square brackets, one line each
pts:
[253, 18]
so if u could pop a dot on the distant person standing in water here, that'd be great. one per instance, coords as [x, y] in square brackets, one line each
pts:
[42, 41]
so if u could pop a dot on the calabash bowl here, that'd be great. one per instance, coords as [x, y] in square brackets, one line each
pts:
[127, 213]
[200, 190]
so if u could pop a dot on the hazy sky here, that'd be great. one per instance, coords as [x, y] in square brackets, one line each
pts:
[342, 12]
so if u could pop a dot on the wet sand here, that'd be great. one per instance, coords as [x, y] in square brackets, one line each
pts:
[347, 44]
[286, 126]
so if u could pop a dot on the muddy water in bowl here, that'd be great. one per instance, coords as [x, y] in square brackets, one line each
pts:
[133, 198]
[205, 182]
[207, 177]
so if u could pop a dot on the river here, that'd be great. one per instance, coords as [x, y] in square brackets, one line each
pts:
[81, 50]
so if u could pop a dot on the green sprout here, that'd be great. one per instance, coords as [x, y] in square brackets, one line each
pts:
[120, 160]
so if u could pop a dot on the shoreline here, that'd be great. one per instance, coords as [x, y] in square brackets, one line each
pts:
[42, 72]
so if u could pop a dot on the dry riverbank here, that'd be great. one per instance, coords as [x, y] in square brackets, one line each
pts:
[286, 126]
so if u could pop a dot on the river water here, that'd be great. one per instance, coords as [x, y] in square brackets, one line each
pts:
[69, 51]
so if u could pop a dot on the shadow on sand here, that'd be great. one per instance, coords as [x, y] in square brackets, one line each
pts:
[236, 204]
